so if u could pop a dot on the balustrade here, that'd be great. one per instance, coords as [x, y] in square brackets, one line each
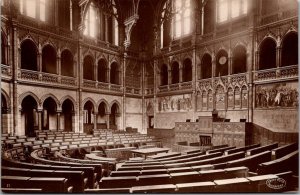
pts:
[276, 73]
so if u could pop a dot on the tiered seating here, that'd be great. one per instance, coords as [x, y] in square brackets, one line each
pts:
[70, 162]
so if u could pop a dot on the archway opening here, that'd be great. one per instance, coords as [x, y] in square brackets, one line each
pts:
[102, 71]
[67, 111]
[49, 117]
[114, 73]
[239, 64]
[3, 49]
[29, 112]
[88, 120]
[164, 75]
[101, 119]
[49, 59]
[267, 54]
[114, 116]
[28, 55]
[88, 68]
[67, 63]
[175, 72]
[187, 74]
[206, 66]
[290, 50]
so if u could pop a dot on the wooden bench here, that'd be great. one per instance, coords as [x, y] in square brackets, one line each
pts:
[124, 173]
[195, 158]
[284, 150]
[219, 150]
[154, 171]
[289, 162]
[251, 162]
[157, 179]
[261, 149]
[75, 178]
[118, 182]
[89, 171]
[241, 149]
[45, 183]
[218, 159]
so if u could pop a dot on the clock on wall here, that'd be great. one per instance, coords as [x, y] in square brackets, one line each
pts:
[222, 60]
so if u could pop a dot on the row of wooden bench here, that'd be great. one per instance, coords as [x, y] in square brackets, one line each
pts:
[172, 178]
[91, 172]
[233, 185]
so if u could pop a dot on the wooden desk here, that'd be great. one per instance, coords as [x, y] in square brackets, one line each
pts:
[149, 151]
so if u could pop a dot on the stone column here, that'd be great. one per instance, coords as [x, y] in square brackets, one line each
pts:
[278, 56]
[108, 73]
[180, 73]
[15, 98]
[95, 71]
[40, 118]
[169, 77]
[58, 112]
[106, 27]
[39, 59]
[58, 62]
[95, 120]
[107, 114]
[213, 64]
[230, 70]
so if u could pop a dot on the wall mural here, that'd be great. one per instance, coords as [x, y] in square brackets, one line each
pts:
[276, 95]
[175, 103]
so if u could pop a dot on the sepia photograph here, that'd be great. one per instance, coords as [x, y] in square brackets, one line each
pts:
[149, 96]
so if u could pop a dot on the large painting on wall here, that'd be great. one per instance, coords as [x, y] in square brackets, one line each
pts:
[177, 103]
[277, 95]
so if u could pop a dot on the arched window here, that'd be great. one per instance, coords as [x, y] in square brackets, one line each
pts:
[290, 50]
[229, 9]
[239, 62]
[182, 18]
[29, 8]
[90, 21]
[67, 63]
[102, 70]
[88, 68]
[187, 74]
[114, 73]
[28, 55]
[175, 72]
[164, 75]
[165, 27]
[206, 66]
[222, 63]
[3, 49]
[267, 54]
[49, 59]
